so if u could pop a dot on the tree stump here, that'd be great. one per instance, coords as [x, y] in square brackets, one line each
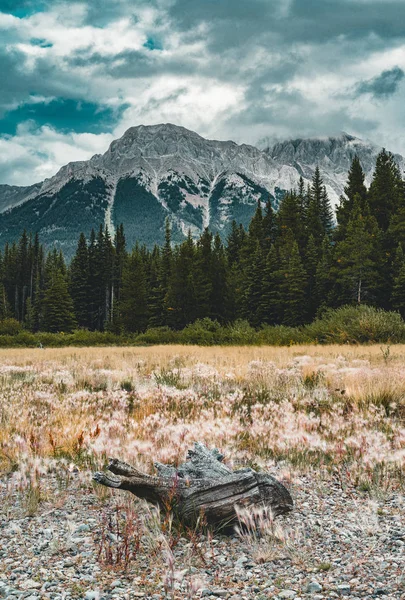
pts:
[201, 485]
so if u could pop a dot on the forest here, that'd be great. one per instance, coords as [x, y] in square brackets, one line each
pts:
[287, 268]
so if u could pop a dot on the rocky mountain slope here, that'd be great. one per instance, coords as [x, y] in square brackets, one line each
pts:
[152, 172]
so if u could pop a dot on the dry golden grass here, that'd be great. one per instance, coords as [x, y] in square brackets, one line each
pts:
[326, 407]
[221, 357]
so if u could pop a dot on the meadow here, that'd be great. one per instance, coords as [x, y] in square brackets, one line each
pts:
[327, 415]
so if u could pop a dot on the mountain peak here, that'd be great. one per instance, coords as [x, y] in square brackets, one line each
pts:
[157, 171]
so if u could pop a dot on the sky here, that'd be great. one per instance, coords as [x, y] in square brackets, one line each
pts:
[75, 75]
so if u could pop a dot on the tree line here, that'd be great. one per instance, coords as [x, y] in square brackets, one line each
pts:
[286, 268]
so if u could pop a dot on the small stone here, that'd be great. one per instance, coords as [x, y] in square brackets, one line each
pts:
[116, 583]
[287, 594]
[30, 584]
[344, 589]
[314, 587]
[92, 595]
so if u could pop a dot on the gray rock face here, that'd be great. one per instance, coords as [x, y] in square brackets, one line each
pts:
[159, 171]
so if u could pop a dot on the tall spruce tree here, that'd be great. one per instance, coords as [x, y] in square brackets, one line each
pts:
[355, 187]
[79, 282]
[357, 259]
[133, 305]
[57, 305]
[386, 189]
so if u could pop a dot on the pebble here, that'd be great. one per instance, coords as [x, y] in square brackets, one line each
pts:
[54, 555]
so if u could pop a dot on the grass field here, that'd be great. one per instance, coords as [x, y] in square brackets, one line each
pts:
[328, 421]
[329, 408]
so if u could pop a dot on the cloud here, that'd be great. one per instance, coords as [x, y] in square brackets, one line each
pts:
[227, 69]
[384, 85]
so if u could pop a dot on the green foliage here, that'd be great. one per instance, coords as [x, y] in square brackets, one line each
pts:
[274, 275]
[357, 325]
[10, 327]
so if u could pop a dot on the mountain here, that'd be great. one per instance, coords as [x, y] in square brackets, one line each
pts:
[159, 171]
[13, 195]
[333, 155]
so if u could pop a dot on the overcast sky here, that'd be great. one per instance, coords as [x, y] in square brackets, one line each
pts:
[75, 75]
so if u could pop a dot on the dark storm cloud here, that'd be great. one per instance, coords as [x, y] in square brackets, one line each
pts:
[383, 86]
[232, 22]
[47, 78]
[301, 67]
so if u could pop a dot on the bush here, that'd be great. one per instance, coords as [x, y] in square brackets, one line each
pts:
[280, 335]
[203, 332]
[357, 325]
[158, 335]
[10, 327]
[239, 333]
[348, 324]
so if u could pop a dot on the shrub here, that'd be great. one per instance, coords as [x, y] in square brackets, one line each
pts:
[204, 332]
[158, 335]
[357, 325]
[281, 335]
[10, 327]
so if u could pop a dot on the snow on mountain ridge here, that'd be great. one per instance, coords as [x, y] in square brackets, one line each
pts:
[165, 170]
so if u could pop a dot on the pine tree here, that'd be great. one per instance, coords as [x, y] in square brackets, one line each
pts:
[354, 187]
[133, 305]
[290, 217]
[292, 288]
[220, 295]
[357, 258]
[203, 276]
[181, 295]
[398, 290]
[270, 307]
[319, 215]
[323, 278]
[269, 226]
[312, 257]
[57, 305]
[79, 282]
[386, 189]
[235, 243]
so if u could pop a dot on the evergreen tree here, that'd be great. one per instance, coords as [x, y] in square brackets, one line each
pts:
[57, 305]
[133, 305]
[319, 215]
[235, 243]
[269, 226]
[203, 276]
[270, 307]
[181, 295]
[220, 295]
[292, 285]
[357, 259]
[79, 283]
[354, 188]
[386, 190]
[398, 290]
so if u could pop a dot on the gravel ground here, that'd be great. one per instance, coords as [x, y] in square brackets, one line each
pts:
[338, 542]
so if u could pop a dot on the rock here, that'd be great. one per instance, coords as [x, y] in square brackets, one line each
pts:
[30, 584]
[287, 594]
[314, 587]
[344, 589]
[117, 583]
[214, 592]
[92, 595]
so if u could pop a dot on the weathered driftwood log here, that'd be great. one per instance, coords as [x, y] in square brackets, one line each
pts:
[202, 485]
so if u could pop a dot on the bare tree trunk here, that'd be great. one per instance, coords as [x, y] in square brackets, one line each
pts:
[202, 485]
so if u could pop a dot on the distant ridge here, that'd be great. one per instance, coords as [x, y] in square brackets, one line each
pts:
[157, 171]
